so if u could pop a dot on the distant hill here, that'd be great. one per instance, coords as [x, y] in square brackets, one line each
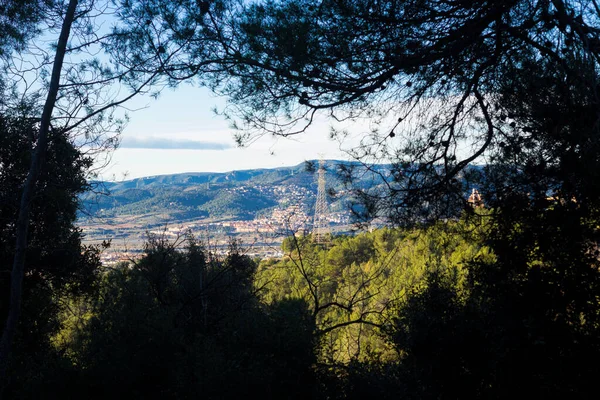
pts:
[239, 194]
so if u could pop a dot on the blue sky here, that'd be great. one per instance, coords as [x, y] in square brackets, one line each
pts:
[178, 132]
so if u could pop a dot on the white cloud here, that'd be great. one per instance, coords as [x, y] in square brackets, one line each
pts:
[170, 144]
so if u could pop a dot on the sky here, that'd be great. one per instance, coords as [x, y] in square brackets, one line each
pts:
[179, 132]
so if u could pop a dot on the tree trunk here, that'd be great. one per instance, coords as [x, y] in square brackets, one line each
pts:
[22, 226]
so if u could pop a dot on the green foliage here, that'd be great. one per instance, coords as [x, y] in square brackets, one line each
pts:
[57, 265]
[352, 284]
[440, 353]
[521, 325]
[18, 21]
[446, 84]
[180, 322]
[505, 310]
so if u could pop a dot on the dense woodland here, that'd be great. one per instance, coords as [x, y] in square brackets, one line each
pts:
[451, 301]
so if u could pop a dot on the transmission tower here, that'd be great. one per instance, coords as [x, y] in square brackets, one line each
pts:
[320, 225]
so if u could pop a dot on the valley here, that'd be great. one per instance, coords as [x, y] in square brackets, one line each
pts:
[256, 208]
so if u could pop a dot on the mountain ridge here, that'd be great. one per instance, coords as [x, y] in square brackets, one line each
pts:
[202, 177]
[237, 193]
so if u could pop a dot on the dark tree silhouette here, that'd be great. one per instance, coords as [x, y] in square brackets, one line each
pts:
[511, 86]
[440, 78]
[56, 262]
[18, 22]
[181, 322]
[79, 85]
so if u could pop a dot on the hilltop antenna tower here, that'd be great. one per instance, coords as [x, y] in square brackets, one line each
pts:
[320, 225]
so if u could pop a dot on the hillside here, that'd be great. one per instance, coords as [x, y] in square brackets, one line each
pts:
[236, 194]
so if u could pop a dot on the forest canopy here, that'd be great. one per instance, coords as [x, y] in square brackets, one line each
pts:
[455, 301]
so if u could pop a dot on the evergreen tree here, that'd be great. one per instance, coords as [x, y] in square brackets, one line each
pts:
[57, 264]
[512, 86]
[182, 323]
